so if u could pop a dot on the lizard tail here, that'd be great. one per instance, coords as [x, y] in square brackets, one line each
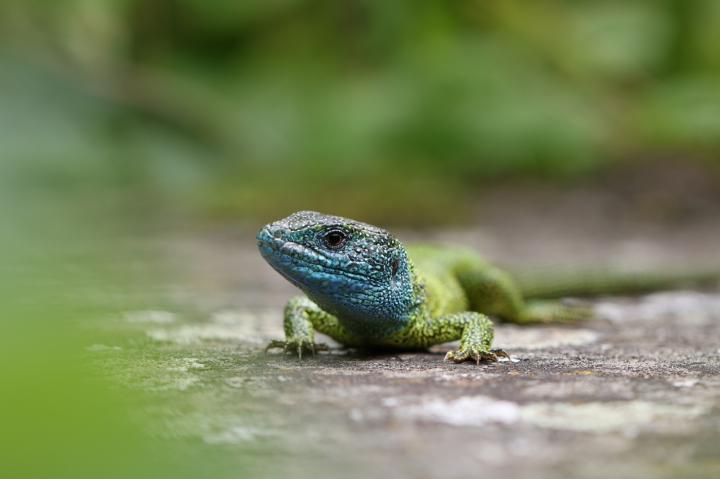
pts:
[549, 284]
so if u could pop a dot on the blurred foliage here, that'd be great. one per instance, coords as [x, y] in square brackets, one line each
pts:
[70, 269]
[263, 106]
[113, 112]
[59, 418]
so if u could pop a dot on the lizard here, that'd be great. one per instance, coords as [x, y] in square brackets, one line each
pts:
[365, 289]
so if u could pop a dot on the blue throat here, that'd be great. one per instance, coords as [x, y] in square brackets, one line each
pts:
[367, 311]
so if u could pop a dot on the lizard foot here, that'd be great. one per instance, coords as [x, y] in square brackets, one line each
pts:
[474, 354]
[297, 346]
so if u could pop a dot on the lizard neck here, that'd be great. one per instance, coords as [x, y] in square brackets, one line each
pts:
[375, 313]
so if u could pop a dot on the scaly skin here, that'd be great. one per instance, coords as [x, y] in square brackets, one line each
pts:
[365, 290]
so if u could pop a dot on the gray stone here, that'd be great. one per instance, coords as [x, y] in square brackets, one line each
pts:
[634, 393]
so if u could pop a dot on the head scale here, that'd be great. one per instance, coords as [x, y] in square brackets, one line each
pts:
[356, 271]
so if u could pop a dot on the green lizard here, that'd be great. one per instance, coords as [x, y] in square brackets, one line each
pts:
[364, 289]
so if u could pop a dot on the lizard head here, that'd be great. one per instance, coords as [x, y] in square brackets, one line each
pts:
[350, 269]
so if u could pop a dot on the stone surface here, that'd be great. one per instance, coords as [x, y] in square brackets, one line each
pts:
[634, 393]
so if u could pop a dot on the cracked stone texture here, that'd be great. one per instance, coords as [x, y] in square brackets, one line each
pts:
[634, 393]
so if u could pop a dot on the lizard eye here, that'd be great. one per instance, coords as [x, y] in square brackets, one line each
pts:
[395, 265]
[335, 239]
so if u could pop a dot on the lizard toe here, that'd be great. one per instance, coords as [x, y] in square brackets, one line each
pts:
[297, 346]
[474, 355]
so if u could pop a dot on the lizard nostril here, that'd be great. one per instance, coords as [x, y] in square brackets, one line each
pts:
[263, 235]
[280, 232]
[270, 234]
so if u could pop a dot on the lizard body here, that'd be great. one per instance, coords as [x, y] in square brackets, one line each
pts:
[364, 289]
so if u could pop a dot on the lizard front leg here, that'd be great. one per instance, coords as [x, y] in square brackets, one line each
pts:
[301, 319]
[474, 330]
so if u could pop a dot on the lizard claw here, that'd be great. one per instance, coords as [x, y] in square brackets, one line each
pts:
[274, 344]
[473, 354]
[297, 346]
[499, 353]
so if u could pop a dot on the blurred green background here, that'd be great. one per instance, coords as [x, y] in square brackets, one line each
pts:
[116, 114]
[394, 111]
